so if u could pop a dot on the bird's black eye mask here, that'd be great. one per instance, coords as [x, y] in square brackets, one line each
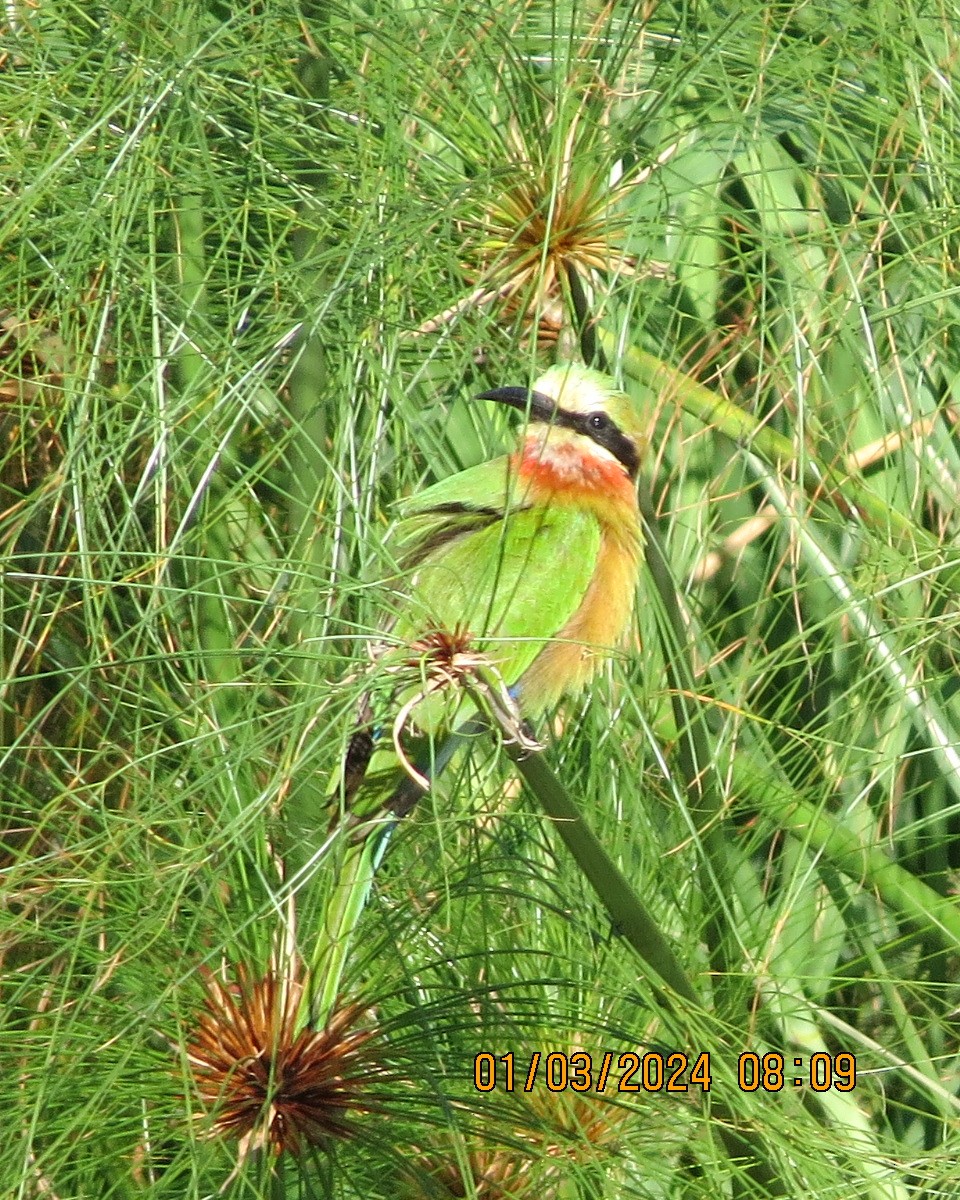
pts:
[595, 425]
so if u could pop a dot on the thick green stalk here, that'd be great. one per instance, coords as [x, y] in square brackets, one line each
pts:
[820, 482]
[637, 927]
[206, 561]
[306, 397]
[629, 916]
[207, 568]
[307, 462]
[910, 898]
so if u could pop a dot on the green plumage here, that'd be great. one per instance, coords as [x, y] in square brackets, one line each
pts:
[490, 567]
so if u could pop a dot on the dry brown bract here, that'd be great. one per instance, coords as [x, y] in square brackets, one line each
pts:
[268, 1084]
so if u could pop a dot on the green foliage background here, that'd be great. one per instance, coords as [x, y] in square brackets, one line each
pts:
[241, 252]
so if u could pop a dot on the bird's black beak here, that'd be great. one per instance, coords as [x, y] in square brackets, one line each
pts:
[536, 405]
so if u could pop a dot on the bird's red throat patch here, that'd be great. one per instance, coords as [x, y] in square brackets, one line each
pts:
[571, 469]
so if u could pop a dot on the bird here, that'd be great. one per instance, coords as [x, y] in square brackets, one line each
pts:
[517, 577]
[528, 561]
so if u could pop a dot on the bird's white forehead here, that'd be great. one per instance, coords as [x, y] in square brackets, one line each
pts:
[570, 390]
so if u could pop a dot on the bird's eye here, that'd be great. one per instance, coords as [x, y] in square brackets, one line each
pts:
[598, 421]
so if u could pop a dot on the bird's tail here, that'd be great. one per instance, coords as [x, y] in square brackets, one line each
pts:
[376, 792]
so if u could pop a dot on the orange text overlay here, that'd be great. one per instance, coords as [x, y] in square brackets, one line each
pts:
[658, 1071]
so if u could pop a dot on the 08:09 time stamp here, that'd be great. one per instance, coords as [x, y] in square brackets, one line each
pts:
[658, 1071]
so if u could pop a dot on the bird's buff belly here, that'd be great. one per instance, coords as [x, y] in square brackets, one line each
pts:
[568, 662]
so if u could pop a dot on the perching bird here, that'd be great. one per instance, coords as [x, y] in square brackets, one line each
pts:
[529, 560]
[524, 567]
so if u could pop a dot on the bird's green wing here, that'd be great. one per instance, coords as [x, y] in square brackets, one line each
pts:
[512, 584]
[456, 506]
[488, 484]
[502, 589]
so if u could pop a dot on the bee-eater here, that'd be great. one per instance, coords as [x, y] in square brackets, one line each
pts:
[529, 560]
[526, 564]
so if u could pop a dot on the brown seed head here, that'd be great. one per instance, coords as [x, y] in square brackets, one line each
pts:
[444, 651]
[267, 1083]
